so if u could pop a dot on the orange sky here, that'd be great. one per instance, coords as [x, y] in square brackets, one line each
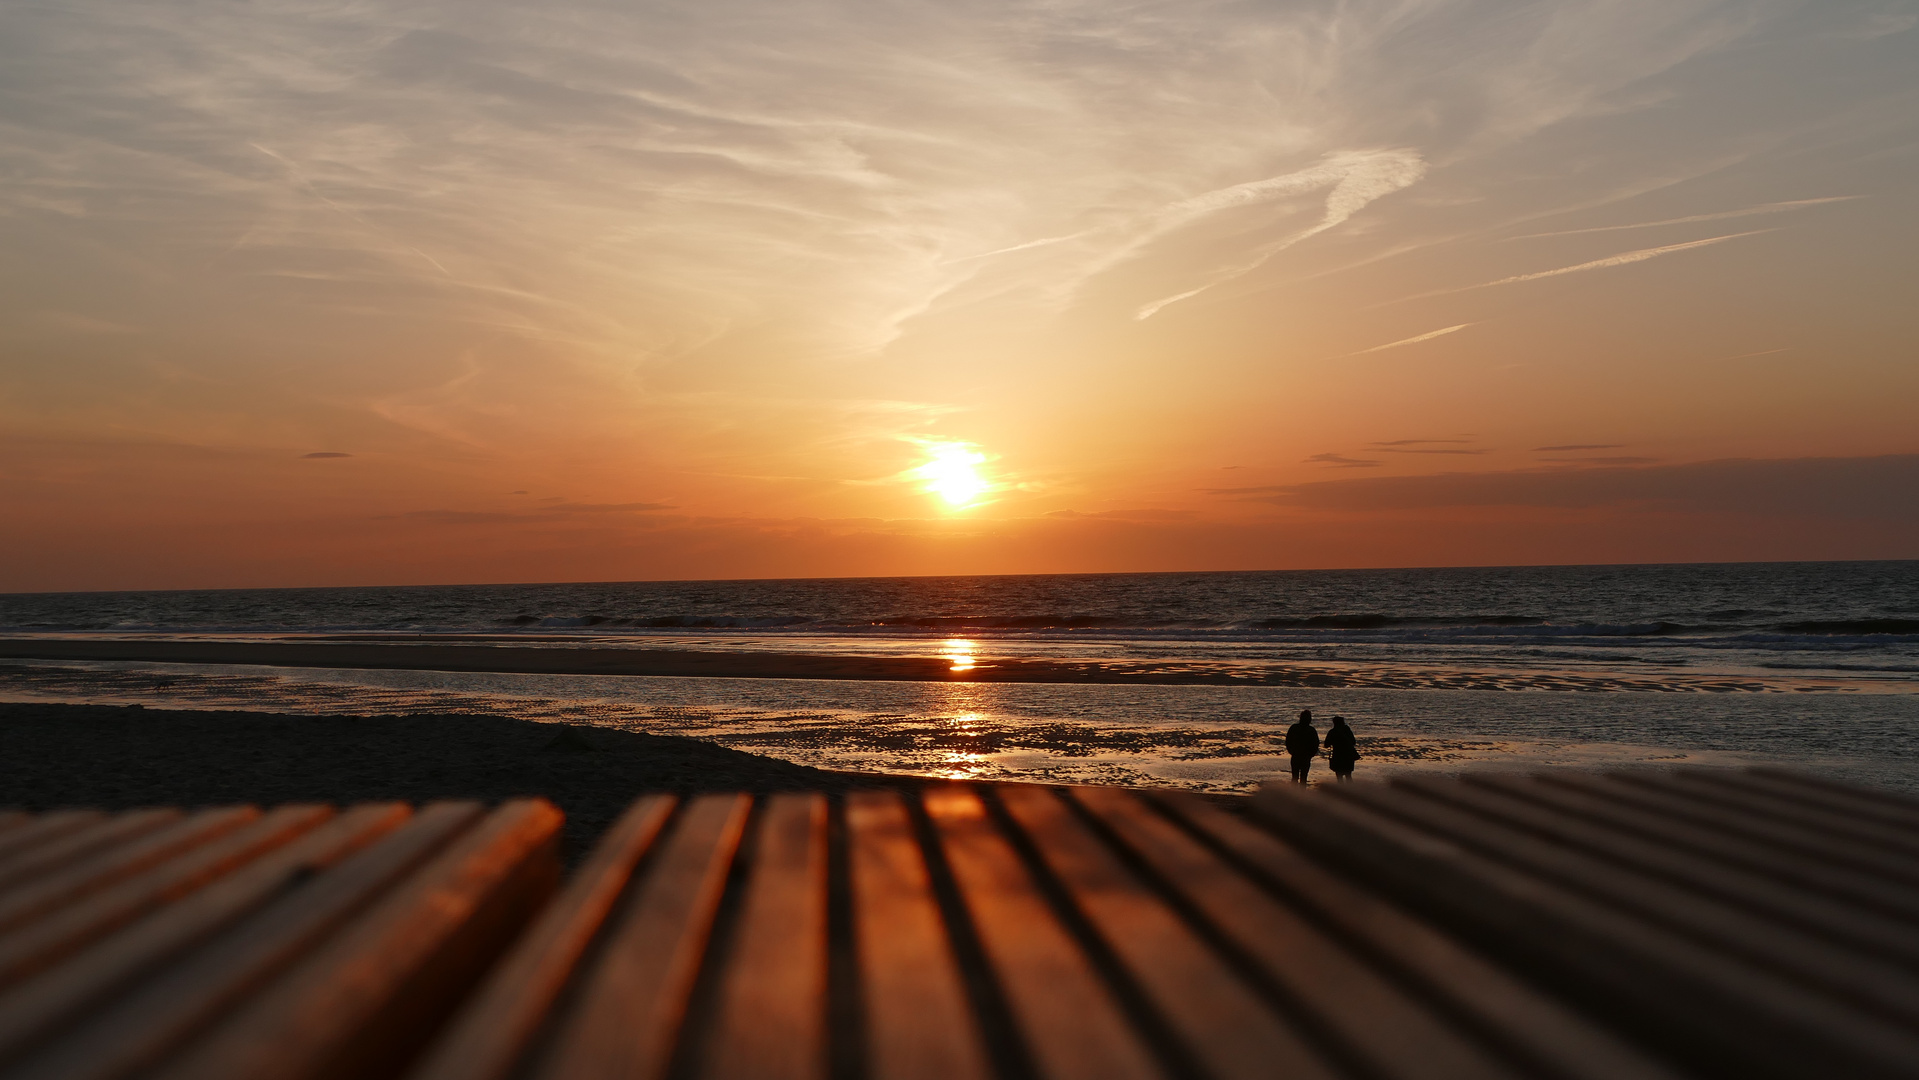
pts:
[434, 292]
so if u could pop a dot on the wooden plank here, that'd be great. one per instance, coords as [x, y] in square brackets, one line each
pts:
[1331, 989]
[770, 1020]
[1885, 816]
[634, 998]
[1695, 1002]
[31, 948]
[75, 838]
[1802, 958]
[493, 1032]
[1732, 849]
[136, 1032]
[1863, 930]
[1068, 1016]
[1897, 806]
[363, 1003]
[41, 828]
[1216, 1018]
[1776, 808]
[36, 1009]
[1818, 848]
[32, 899]
[1531, 1028]
[918, 1022]
[13, 819]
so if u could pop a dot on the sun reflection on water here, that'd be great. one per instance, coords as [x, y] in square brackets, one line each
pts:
[960, 651]
[963, 764]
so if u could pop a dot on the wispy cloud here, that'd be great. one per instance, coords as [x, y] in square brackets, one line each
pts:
[1262, 489]
[1569, 447]
[1341, 461]
[1763, 208]
[1459, 451]
[567, 245]
[1356, 179]
[1414, 340]
[1837, 488]
[1624, 258]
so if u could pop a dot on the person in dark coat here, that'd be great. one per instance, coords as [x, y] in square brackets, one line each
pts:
[1342, 748]
[1302, 742]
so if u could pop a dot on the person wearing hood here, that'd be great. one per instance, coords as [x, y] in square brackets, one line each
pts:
[1342, 749]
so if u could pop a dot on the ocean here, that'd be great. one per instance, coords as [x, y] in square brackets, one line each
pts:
[1810, 664]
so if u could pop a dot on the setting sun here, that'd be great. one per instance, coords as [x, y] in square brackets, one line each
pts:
[954, 473]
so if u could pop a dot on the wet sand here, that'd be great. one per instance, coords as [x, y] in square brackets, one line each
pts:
[535, 660]
[115, 758]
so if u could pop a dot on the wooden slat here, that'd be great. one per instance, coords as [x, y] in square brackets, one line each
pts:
[1549, 1038]
[13, 819]
[1862, 930]
[1218, 1020]
[1896, 846]
[364, 1002]
[30, 948]
[138, 1031]
[1069, 1018]
[1895, 807]
[1816, 848]
[106, 866]
[1718, 845]
[633, 999]
[41, 828]
[1697, 1002]
[493, 1033]
[1857, 812]
[1332, 990]
[918, 1022]
[770, 1020]
[1805, 960]
[76, 838]
[35, 1010]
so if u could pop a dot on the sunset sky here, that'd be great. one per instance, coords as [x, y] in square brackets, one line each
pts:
[383, 293]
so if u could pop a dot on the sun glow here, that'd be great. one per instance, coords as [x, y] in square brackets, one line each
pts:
[961, 652]
[954, 473]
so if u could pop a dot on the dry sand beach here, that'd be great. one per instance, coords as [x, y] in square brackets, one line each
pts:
[54, 756]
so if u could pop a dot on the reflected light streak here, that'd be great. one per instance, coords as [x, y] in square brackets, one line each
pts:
[961, 652]
[961, 767]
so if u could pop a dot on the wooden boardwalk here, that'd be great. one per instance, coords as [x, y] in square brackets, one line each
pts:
[1701, 924]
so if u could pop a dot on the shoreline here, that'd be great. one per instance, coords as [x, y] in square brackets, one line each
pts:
[672, 663]
[756, 664]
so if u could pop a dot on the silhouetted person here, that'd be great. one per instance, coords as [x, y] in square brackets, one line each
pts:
[1302, 741]
[1342, 749]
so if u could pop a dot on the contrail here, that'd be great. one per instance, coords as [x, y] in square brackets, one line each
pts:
[1624, 258]
[1016, 247]
[1763, 208]
[1428, 336]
